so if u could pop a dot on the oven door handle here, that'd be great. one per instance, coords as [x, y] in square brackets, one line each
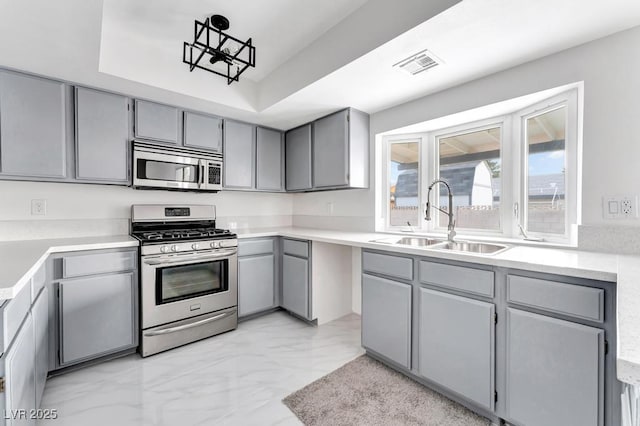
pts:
[188, 326]
[201, 181]
[188, 259]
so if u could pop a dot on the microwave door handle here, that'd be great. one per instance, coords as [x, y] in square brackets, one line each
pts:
[201, 183]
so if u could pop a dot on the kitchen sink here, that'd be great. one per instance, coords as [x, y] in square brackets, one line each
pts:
[469, 247]
[418, 241]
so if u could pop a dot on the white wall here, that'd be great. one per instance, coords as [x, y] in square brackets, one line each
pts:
[610, 69]
[82, 209]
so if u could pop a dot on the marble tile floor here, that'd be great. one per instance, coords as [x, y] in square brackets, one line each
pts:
[238, 378]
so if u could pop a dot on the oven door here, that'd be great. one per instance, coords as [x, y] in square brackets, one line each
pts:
[156, 170]
[179, 286]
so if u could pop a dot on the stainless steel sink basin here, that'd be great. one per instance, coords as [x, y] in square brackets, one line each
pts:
[418, 241]
[469, 247]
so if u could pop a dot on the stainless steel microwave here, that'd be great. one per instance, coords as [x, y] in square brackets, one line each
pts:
[176, 168]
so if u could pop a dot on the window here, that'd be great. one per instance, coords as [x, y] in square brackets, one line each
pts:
[403, 187]
[470, 163]
[511, 175]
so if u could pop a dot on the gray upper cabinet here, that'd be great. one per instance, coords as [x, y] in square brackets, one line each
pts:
[19, 369]
[239, 160]
[386, 318]
[555, 371]
[341, 150]
[269, 170]
[456, 344]
[298, 158]
[156, 122]
[102, 133]
[33, 121]
[202, 131]
[331, 151]
[97, 316]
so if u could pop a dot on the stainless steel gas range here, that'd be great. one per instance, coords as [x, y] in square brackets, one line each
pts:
[188, 275]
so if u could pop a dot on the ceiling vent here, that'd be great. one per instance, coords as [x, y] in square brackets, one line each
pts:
[419, 62]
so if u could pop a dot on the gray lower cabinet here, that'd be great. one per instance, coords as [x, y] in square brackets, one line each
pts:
[19, 376]
[386, 318]
[555, 371]
[202, 131]
[456, 344]
[102, 134]
[40, 313]
[239, 159]
[97, 316]
[256, 284]
[33, 120]
[269, 170]
[156, 122]
[296, 285]
[298, 158]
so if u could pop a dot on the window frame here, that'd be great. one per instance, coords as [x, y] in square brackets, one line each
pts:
[504, 124]
[388, 141]
[569, 100]
[513, 170]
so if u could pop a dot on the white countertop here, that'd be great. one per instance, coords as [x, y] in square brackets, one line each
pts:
[625, 270]
[21, 259]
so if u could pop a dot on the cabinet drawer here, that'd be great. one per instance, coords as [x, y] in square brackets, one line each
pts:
[391, 266]
[252, 247]
[98, 263]
[37, 283]
[296, 248]
[468, 280]
[561, 298]
[13, 313]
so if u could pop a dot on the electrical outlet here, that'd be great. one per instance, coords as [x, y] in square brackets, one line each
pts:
[620, 207]
[39, 207]
[628, 207]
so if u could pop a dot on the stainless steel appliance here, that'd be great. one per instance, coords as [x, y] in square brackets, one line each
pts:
[177, 168]
[188, 275]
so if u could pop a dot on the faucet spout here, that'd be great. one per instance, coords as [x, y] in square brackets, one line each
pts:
[451, 226]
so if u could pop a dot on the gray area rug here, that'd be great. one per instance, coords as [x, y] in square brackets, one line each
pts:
[366, 392]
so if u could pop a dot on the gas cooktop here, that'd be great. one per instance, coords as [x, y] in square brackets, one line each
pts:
[182, 234]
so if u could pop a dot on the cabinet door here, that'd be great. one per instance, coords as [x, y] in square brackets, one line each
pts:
[203, 131]
[97, 316]
[32, 126]
[555, 371]
[156, 122]
[456, 344]
[268, 159]
[295, 285]
[20, 393]
[331, 151]
[238, 155]
[102, 133]
[255, 284]
[40, 311]
[386, 318]
[298, 158]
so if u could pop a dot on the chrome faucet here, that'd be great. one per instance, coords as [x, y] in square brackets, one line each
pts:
[451, 227]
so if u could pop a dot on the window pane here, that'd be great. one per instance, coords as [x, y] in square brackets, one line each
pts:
[404, 184]
[546, 172]
[470, 164]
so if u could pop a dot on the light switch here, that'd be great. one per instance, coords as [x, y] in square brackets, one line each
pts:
[613, 207]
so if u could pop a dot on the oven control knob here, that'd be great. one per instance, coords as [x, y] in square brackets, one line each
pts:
[215, 244]
[195, 246]
[174, 247]
[164, 249]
